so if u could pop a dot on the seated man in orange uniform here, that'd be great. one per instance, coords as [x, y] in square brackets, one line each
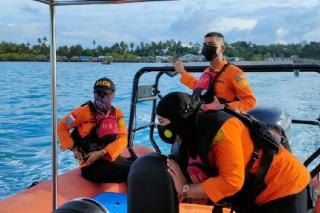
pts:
[225, 81]
[98, 136]
[252, 176]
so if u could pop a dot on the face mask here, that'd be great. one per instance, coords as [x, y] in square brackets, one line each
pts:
[167, 133]
[103, 104]
[209, 52]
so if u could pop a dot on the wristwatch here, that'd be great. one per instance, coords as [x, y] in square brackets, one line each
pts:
[185, 190]
[104, 155]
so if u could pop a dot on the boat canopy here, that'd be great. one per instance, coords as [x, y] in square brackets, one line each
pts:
[84, 2]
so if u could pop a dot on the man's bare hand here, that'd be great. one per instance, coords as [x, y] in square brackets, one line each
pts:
[215, 105]
[77, 154]
[177, 176]
[179, 67]
[93, 156]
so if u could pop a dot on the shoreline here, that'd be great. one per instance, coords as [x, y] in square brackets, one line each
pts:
[189, 62]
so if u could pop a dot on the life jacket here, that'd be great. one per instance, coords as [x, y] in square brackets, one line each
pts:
[204, 88]
[105, 131]
[264, 136]
[196, 173]
[196, 169]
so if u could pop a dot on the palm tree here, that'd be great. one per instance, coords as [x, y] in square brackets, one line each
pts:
[44, 46]
[44, 39]
[131, 46]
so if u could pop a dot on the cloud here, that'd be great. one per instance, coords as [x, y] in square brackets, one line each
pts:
[259, 21]
[21, 32]
[283, 23]
[253, 5]
[110, 24]
[102, 37]
[229, 24]
[281, 33]
[26, 8]
[286, 25]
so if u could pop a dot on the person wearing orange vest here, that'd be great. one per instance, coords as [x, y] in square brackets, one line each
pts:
[227, 82]
[268, 179]
[98, 136]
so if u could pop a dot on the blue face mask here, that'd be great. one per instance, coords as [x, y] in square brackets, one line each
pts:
[103, 102]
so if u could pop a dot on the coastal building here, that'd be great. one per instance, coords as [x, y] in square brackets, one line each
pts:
[165, 59]
[85, 58]
[191, 58]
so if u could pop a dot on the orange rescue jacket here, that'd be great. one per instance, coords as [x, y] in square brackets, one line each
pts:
[231, 85]
[230, 153]
[84, 120]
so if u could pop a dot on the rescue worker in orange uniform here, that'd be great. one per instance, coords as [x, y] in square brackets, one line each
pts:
[226, 149]
[98, 136]
[230, 84]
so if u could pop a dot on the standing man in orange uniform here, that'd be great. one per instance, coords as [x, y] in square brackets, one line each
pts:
[253, 177]
[98, 136]
[221, 83]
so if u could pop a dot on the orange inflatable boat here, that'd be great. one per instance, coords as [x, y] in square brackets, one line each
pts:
[71, 185]
[38, 199]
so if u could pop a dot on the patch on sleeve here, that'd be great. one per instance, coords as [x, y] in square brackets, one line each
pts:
[219, 137]
[71, 118]
[121, 122]
[242, 81]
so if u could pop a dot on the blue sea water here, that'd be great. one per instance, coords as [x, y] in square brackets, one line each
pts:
[25, 111]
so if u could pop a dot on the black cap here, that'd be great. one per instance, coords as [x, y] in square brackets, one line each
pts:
[104, 85]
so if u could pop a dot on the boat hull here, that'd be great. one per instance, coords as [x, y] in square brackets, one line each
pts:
[38, 199]
[71, 185]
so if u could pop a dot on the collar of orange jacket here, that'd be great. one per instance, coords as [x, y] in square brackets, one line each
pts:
[219, 67]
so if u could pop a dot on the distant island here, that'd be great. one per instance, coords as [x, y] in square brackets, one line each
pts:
[162, 51]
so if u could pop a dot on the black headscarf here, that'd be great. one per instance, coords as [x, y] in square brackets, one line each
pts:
[180, 108]
[177, 106]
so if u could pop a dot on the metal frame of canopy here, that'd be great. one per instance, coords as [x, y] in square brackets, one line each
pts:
[53, 60]
[151, 92]
[86, 2]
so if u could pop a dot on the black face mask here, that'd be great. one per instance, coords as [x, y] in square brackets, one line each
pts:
[167, 133]
[209, 52]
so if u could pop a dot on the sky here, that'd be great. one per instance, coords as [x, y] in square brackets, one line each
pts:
[258, 21]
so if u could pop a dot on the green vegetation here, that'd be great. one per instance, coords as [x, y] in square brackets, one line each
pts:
[251, 51]
[134, 52]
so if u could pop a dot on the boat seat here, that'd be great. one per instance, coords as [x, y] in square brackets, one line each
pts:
[147, 93]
